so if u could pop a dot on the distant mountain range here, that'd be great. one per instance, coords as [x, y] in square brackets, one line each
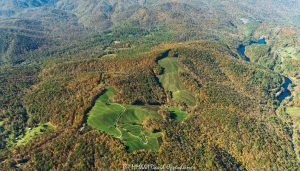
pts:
[44, 21]
[99, 14]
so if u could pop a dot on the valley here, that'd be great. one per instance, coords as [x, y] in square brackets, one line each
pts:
[280, 57]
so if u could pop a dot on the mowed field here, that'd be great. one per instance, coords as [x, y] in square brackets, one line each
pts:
[170, 81]
[103, 115]
[124, 122]
[134, 135]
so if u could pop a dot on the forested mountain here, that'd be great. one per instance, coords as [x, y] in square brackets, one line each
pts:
[110, 84]
[82, 18]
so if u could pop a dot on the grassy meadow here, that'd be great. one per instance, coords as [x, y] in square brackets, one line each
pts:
[124, 122]
[103, 115]
[32, 132]
[171, 81]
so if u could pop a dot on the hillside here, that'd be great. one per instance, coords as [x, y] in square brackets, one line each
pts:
[107, 84]
[225, 103]
[196, 19]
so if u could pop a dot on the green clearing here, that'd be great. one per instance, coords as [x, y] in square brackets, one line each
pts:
[134, 135]
[124, 122]
[177, 113]
[170, 81]
[32, 132]
[104, 114]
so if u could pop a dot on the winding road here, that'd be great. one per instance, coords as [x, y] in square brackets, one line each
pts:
[118, 127]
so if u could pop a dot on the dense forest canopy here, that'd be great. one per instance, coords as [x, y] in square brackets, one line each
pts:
[108, 85]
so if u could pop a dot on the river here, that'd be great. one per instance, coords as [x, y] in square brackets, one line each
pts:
[286, 93]
[241, 49]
